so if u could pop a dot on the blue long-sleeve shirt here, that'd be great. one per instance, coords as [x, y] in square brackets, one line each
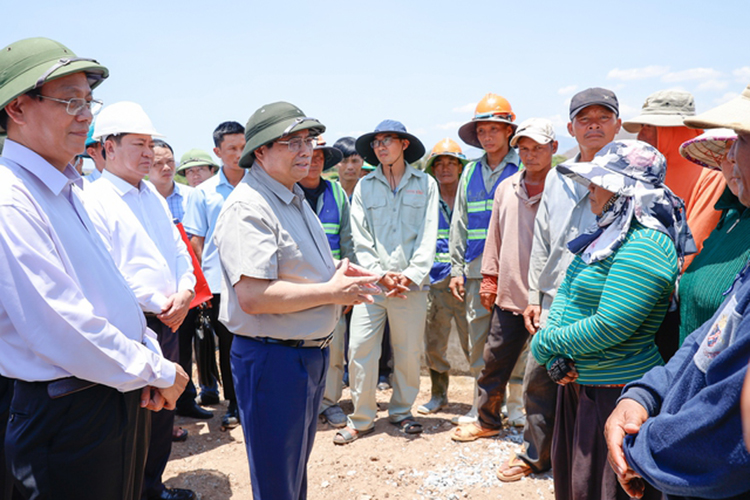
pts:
[691, 446]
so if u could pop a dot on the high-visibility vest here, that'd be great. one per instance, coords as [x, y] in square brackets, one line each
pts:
[479, 204]
[441, 268]
[334, 198]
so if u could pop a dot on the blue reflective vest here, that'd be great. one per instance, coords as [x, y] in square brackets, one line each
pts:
[330, 215]
[441, 268]
[479, 207]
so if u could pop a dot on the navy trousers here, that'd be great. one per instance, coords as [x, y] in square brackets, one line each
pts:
[76, 447]
[279, 389]
[162, 421]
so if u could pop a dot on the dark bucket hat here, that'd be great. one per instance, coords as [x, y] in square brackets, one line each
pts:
[332, 155]
[413, 152]
[28, 64]
[271, 122]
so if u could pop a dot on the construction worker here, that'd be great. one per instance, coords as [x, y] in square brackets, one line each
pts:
[491, 130]
[394, 229]
[445, 163]
[330, 203]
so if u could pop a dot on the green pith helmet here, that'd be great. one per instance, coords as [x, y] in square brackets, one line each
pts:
[195, 158]
[28, 64]
[272, 122]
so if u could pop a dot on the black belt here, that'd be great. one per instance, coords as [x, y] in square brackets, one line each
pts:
[65, 386]
[319, 343]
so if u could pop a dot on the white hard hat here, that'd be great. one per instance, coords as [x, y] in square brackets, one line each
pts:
[123, 117]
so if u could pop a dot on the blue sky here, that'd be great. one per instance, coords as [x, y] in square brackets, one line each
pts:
[193, 64]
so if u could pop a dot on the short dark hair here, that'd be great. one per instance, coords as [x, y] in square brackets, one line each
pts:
[115, 137]
[227, 128]
[158, 143]
[346, 146]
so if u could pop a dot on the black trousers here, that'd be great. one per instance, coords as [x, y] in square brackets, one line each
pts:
[579, 452]
[505, 342]
[160, 445]
[81, 446]
[225, 349]
[540, 400]
[7, 489]
[186, 333]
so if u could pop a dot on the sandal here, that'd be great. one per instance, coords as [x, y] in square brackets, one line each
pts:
[513, 470]
[409, 426]
[472, 432]
[349, 435]
[179, 435]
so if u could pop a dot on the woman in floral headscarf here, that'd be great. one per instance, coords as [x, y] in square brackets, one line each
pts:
[601, 326]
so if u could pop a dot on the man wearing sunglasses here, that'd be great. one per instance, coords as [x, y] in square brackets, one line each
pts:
[490, 130]
[71, 332]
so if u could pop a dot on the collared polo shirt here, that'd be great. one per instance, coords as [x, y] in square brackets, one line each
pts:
[265, 231]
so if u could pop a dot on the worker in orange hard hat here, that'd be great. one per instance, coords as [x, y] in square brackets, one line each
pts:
[445, 163]
[490, 129]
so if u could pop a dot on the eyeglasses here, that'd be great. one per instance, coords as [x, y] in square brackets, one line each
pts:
[295, 145]
[386, 141]
[76, 105]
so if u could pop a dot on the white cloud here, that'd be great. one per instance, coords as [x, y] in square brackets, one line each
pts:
[742, 74]
[637, 73]
[466, 108]
[713, 85]
[567, 90]
[725, 98]
[449, 126]
[691, 74]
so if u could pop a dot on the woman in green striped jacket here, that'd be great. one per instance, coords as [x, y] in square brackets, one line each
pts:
[600, 331]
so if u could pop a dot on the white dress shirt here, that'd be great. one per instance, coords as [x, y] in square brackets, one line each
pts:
[137, 229]
[65, 309]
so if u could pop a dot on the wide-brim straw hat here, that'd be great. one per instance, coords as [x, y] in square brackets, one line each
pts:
[734, 114]
[709, 148]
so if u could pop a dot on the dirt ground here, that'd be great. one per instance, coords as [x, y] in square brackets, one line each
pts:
[384, 465]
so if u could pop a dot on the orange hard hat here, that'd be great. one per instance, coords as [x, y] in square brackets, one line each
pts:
[446, 147]
[492, 108]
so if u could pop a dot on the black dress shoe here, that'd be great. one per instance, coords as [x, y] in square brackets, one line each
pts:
[205, 399]
[174, 494]
[194, 411]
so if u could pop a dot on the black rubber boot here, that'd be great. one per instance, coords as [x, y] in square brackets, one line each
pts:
[439, 394]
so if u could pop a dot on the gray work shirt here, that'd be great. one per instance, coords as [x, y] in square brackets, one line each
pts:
[564, 213]
[265, 231]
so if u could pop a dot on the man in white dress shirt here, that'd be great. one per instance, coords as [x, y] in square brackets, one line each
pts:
[73, 340]
[137, 229]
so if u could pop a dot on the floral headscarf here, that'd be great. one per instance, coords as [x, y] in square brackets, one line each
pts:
[635, 171]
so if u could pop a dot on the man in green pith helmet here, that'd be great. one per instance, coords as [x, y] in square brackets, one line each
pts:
[73, 342]
[196, 166]
[282, 294]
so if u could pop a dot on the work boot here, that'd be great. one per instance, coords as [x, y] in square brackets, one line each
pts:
[514, 402]
[439, 394]
[473, 414]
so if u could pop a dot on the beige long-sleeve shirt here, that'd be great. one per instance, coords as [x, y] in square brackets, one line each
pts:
[508, 246]
[396, 231]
